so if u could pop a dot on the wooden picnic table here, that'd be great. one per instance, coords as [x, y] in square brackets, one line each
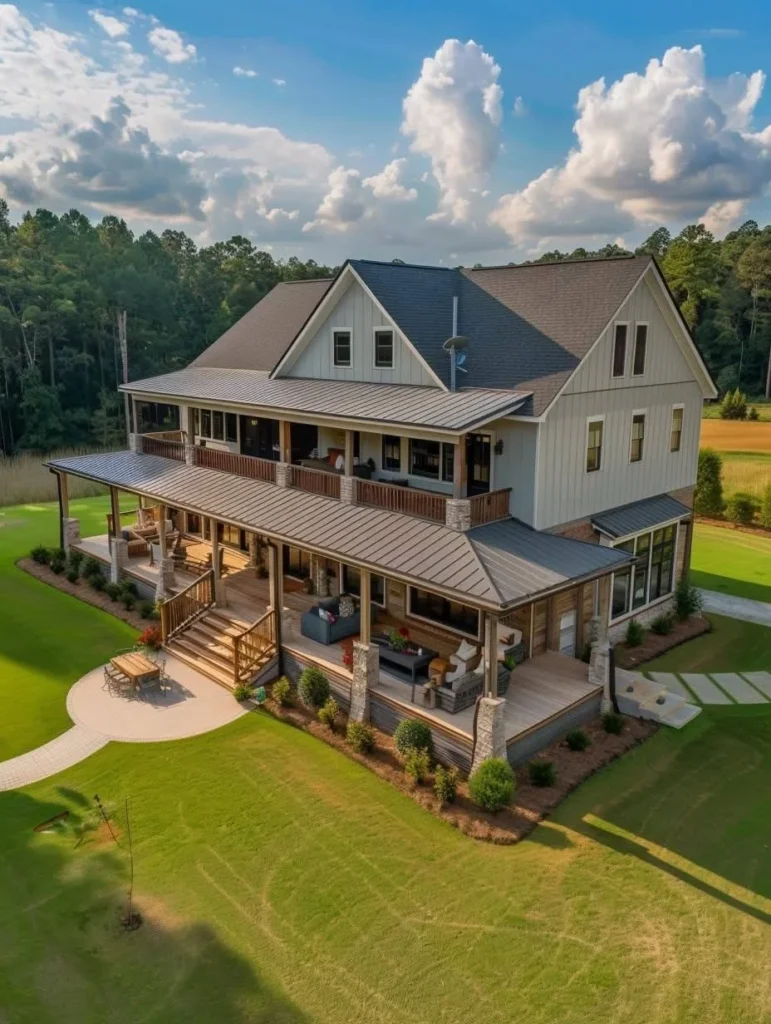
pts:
[136, 666]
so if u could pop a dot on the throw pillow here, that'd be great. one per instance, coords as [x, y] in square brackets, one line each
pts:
[331, 618]
[324, 615]
[346, 607]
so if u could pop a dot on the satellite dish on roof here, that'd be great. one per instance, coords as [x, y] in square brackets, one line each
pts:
[459, 341]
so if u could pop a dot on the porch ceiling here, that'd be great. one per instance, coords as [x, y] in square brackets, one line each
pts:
[493, 567]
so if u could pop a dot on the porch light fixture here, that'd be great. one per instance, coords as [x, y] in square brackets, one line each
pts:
[498, 448]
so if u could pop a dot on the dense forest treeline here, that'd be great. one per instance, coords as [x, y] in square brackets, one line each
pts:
[65, 284]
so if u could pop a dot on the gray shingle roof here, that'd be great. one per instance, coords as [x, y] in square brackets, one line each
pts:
[639, 515]
[259, 339]
[501, 564]
[391, 403]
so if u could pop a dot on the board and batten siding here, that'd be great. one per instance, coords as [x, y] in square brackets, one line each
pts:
[357, 312]
[516, 465]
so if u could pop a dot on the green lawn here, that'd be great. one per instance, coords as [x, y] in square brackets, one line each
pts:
[732, 562]
[732, 646]
[281, 882]
[284, 883]
[47, 640]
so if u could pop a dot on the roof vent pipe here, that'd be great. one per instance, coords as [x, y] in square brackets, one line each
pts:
[454, 316]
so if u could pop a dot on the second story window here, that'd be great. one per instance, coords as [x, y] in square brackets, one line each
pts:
[640, 345]
[392, 452]
[638, 437]
[619, 350]
[676, 436]
[384, 349]
[341, 348]
[594, 445]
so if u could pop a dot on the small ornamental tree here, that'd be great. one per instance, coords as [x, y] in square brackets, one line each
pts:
[708, 497]
[734, 406]
[413, 735]
[313, 687]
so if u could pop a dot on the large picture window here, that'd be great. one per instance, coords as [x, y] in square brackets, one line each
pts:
[651, 575]
[460, 618]
[392, 452]
[431, 459]
[152, 417]
[212, 424]
[351, 584]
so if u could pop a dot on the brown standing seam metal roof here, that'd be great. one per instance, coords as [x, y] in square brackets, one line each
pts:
[391, 403]
[492, 565]
[259, 339]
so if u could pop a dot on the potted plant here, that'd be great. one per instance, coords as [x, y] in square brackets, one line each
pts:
[150, 640]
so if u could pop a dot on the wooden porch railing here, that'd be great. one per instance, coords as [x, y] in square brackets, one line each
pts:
[169, 444]
[317, 481]
[487, 508]
[422, 504]
[185, 607]
[240, 465]
[254, 647]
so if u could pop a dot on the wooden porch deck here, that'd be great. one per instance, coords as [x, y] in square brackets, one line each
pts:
[543, 690]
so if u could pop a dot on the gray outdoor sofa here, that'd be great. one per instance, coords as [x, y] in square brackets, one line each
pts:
[328, 633]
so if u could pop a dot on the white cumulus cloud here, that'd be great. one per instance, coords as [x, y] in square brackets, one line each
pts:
[344, 204]
[279, 82]
[452, 114]
[170, 45]
[240, 72]
[520, 107]
[114, 27]
[666, 145]
[387, 184]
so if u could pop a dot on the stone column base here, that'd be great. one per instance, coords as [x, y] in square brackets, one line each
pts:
[118, 557]
[491, 734]
[135, 442]
[348, 489]
[366, 666]
[189, 455]
[70, 532]
[319, 577]
[282, 474]
[165, 578]
[599, 672]
[458, 514]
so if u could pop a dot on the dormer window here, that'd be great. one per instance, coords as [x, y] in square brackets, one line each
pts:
[342, 354]
[384, 349]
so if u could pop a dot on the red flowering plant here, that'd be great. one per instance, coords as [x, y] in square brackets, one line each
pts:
[403, 631]
[151, 639]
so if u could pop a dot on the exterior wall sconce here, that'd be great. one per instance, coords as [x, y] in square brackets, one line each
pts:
[498, 449]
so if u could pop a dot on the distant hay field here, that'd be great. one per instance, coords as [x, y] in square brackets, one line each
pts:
[736, 435]
[746, 471]
[25, 478]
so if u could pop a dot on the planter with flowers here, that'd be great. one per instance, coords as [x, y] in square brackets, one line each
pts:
[150, 640]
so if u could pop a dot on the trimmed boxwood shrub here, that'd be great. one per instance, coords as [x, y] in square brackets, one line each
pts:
[281, 691]
[96, 582]
[446, 783]
[313, 687]
[635, 633]
[542, 773]
[577, 739]
[413, 735]
[72, 575]
[147, 609]
[92, 567]
[741, 507]
[57, 565]
[40, 554]
[113, 591]
[492, 784]
[417, 764]
[361, 737]
[75, 559]
[328, 713]
[612, 723]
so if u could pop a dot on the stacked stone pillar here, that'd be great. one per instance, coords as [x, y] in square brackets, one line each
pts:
[490, 731]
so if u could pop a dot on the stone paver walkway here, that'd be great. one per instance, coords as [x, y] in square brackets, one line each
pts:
[737, 607]
[193, 705]
[718, 687]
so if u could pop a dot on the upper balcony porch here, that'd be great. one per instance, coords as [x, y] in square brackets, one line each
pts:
[442, 481]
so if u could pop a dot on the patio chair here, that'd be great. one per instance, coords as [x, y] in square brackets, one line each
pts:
[465, 659]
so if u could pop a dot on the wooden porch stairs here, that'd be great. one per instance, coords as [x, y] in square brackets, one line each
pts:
[226, 649]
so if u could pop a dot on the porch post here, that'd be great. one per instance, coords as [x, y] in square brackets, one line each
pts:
[490, 730]
[366, 655]
[70, 528]
[349, 453]
[219, 583]
[459, 468]
[491, 656]
[118, 546]
[166, 564]
[599, 660]
[275, 590]
[285, 440]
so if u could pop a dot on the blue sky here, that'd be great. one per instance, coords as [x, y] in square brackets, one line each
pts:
[432, 132]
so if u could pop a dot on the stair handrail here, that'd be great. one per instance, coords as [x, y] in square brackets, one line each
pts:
[241, 663]
[175, 616]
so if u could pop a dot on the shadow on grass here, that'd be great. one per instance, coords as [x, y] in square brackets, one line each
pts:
[694, 805]
[730, 585]
[66, 956]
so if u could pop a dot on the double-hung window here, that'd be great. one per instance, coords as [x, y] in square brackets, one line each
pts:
[342, 354]
[638, 437]
[619, 350]
[431, 459]
[676, 434]
[640, 346]
[384, 349]
[594, 445]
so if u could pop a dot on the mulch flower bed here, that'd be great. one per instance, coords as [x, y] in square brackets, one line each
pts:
[653, 645]
[84, 592]
[726, 524]
[531, 803]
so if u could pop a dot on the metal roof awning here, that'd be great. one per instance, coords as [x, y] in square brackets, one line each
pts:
[638, 516]
[397, 404]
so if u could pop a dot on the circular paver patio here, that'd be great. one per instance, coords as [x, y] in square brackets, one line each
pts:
[192, 705]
